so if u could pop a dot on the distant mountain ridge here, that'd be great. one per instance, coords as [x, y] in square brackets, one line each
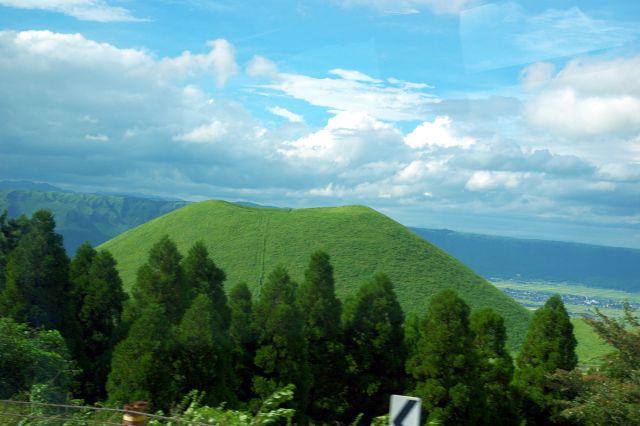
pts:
[249, 242]
[84, 217]
[540, 260]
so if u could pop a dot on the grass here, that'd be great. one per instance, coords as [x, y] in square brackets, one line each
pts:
[590, 347]
[248, 242]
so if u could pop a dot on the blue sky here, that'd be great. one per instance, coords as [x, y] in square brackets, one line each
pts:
[517, 118]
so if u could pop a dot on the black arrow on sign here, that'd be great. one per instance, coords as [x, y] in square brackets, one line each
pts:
[404, 412]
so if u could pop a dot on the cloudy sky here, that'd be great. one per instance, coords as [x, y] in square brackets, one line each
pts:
[510, 118]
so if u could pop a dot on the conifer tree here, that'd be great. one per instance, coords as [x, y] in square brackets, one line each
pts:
[445, 366]
[321, 313]
[204, 353]
[281, 355]
[100, 304]
[141, 368]
[244, 339]
[37, 289]
[549, 346]
[161, 280]
[496, 368]
[374, 347]
[202, 276]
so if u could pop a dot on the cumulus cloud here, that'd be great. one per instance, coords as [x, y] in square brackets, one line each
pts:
[285, 113]
[220, 61]
[587, 97]
[206, 133]
[259, 66]
[348, 138]
[487, 180]
[355, 91]
[84, 10]
[436, 133]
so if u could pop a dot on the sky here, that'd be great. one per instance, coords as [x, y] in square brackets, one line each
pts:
[515, 118]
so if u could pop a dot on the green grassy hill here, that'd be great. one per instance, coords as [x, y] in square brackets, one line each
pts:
[248, 242]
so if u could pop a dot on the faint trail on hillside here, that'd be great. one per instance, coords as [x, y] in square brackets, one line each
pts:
[264, 222]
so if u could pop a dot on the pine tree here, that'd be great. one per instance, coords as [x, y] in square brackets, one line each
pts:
[204, 353]
[374, 347]
[549, 346]
[100, 306]
[161, 280]
[37, 289]
[244, 339]
[141, 367]
[321, 313]
[204, 277]
[496, 368]
[445, 366]
[281, 355]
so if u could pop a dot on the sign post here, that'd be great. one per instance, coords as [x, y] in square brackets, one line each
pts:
[404, 411]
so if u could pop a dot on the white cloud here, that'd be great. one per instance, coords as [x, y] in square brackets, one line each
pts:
[537, 75]
[97, 138]
[206, 133]
[412, 6]
[588, 97]
[285, 113]
[353, 75]
[436, 134]
[484, 180]
[85, 10]
[220, 61]
[348, 138]
[381, 101]
[259, 66]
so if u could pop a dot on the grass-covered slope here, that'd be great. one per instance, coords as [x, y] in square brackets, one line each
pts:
[84, 217]
[248, 242]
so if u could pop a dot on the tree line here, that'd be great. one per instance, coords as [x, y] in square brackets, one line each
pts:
[68, 330]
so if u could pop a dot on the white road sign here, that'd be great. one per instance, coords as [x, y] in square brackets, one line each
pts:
[405, 411]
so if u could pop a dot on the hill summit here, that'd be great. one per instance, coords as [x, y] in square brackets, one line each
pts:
[248, 242]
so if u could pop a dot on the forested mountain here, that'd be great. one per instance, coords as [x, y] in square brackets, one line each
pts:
[80, 216]
[248, 242]
[540, 260]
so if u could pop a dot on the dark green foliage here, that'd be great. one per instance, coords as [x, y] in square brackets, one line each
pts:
[161, 280]
[495, 368]
[549, 346]
[10, 232]
[321, 316]
[204, 277]
[204, 353]
[141, 367]
[244, 338]
[445, 364]
[100, 300]
[374, 347]
[281, 355]
[31, 357]
[610, 396]
[37, 289]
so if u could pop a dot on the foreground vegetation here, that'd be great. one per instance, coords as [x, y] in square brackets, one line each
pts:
[288, 353]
